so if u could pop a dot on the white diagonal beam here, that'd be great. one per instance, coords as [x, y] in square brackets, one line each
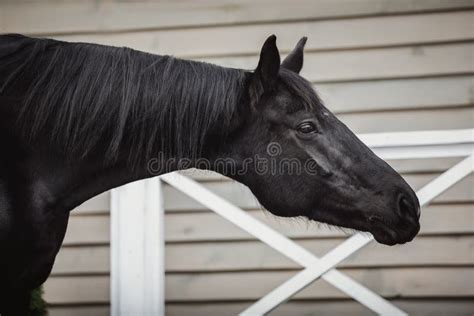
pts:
[274, 239]
[350, 246]
[446, 180]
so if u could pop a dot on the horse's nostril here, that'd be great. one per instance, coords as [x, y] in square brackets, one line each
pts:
[405, 207]
[372, 219]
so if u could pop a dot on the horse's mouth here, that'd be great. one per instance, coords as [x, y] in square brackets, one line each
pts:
[384, 232]
[391, 237]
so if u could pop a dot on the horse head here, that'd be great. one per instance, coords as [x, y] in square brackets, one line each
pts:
[315, 166]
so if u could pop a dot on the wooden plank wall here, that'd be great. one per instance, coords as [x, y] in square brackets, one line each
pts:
[381, 65]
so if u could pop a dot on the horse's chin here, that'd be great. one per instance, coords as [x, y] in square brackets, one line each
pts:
[386, 239]
[381, 233]
[391, 238]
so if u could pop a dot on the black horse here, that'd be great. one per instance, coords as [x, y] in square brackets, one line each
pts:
[78, 119]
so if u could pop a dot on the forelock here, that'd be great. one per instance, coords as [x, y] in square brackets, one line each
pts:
[301, 89]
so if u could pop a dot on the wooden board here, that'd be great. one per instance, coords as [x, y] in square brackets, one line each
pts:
[365, 96]
[452, 307]
[254, 255]
[77, 289]
[382, 63]
[82, 260]
[323, 35]
[405, 282]
[90, 230]
[415, 120]
[399, 282]
[81, 310]
[326, 308]
[43, 17]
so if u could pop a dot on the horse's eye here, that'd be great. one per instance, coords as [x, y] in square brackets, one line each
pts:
[306, 128]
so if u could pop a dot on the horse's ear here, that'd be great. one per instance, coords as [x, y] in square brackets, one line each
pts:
[294, 61]
[269, 64]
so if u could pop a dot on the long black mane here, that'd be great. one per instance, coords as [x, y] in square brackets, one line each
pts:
[85, 95]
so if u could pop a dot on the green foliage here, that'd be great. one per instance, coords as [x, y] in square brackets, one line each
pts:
[37, 303]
